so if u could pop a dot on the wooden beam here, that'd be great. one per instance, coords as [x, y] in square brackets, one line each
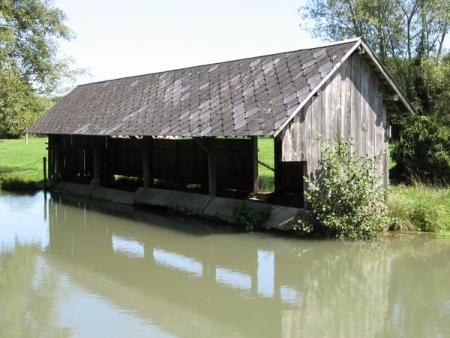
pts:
[277, 149]
[255, 187]
[97, 163]
[266, 165]
[51, 158]
[208, 145]
[144, 146]
[387, 97]
[146, 160]
[94, 145]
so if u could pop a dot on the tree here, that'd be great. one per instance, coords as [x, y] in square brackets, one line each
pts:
[16, 104]
[403, 33]
[422, 152]
[30, 63]
[435, 73]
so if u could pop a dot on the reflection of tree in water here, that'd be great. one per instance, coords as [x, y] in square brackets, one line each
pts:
[380, 289]
[420, 291]
[345, 291]
[28, 292]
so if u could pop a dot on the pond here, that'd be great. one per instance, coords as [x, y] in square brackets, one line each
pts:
[71, 267]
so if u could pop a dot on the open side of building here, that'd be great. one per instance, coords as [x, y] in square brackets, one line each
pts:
[198, 127]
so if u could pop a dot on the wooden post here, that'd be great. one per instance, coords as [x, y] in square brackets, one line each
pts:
[53, 159]
[44, 160]
[96, 162]
[212, 170]
[146, 160]
[208, 146]
[144, 146]
[254, 141]
[96, 148]
[277, 145]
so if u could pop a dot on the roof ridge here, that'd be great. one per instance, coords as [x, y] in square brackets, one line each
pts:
[227, 61]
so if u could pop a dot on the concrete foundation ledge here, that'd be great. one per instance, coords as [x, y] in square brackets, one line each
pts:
[72, 189]
[113, 195]
[284, 218]
[223, 208]
[176, 200]
[281, 218]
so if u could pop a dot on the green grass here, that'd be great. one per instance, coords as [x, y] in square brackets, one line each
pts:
[21, 166]
[420, 207]
[265, 154]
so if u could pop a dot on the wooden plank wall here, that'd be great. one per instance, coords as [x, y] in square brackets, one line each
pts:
[235, 163]
[181, 161]
[72, 158]
[349, 104]
[121, 157]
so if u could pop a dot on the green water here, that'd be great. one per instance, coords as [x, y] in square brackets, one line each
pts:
[75, 268]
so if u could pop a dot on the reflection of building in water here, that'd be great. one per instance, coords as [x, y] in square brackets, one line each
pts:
[193, 275]
[129, 247]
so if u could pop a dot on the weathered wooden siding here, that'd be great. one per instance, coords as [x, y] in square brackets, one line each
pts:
[350, 104]
[182, 161]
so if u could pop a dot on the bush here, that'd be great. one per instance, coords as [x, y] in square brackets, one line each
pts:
[17, 184]
[422, 152]
[249, 218]
[347, 197]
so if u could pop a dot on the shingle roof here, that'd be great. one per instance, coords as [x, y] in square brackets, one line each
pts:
[248, 97]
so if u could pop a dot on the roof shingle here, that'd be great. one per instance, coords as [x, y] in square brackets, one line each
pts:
[246, 97]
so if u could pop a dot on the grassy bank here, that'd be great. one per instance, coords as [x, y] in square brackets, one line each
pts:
[21, 167]
[420, 208]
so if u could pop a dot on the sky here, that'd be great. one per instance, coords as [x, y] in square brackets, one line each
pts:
[118, 38]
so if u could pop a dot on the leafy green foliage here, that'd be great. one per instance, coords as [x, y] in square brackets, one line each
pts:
[29, 61]
[423, 151]
[30, 30]
[20, 106]
[403, 34]
[347, 197]
[250, 219]
[435, 73]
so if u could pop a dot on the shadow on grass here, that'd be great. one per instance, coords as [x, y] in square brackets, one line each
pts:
[17, 184]
[5, 170]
